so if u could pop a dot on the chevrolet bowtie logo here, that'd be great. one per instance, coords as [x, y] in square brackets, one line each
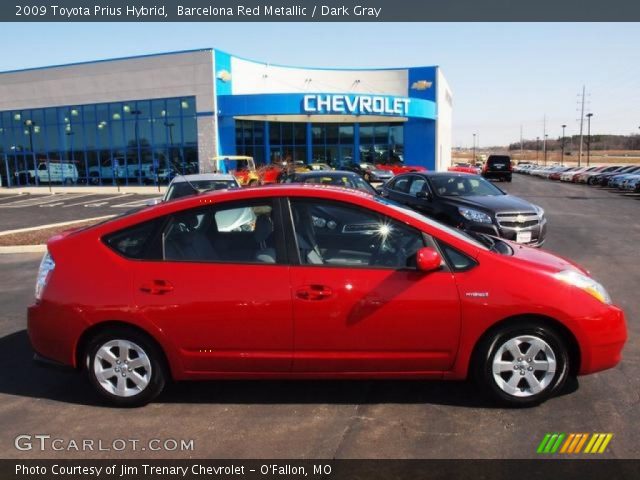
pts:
[521, 219]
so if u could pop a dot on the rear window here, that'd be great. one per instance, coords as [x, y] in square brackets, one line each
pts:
[499, 160]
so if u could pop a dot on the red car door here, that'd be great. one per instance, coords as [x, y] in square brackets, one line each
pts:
[359, 303]
[221, 293]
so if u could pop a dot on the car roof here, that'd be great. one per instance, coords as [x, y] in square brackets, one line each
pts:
[202, 176]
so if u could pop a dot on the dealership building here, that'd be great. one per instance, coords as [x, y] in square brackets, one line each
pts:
[137, 120]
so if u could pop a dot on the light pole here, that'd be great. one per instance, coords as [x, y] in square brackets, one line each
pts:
[537, 147]
[473, 158]
[32, 127]
[589, 115]
[545, 149]
[562, 154]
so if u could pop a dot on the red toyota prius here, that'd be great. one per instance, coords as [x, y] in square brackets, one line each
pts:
[299, 281]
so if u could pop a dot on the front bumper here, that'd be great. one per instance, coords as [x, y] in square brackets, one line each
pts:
[604, 339]
[538, 231]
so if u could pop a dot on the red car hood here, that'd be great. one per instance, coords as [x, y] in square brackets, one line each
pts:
[544, 260]
[396, 169]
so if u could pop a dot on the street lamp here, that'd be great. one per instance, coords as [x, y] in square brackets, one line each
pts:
[562, 154]
[589, 115]
[473, 158]
[31, 127]
[537, 147]
[545, 149]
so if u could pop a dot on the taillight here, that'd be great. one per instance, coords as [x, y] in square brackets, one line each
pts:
[44, 273]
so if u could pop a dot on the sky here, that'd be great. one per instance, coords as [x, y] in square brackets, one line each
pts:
[504, 76]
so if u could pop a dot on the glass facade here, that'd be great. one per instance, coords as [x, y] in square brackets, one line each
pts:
[331, 143]
[136, 142]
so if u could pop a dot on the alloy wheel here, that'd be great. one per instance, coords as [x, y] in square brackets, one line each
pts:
[122, 368]
[524, 366]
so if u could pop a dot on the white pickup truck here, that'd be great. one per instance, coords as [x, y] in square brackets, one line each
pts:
[118, 170]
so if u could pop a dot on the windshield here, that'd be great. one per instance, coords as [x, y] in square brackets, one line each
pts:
[232, 165]
[183, 189]
[461, 234]
[463, 186]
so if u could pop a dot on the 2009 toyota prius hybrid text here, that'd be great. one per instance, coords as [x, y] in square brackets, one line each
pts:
[300, 281]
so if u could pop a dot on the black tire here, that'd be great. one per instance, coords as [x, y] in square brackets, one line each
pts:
[155, 375]
[490, 346]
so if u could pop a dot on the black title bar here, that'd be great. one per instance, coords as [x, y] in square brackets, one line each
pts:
[281, 469]
[319, 11]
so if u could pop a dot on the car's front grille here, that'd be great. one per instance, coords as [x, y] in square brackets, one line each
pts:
[517, 219]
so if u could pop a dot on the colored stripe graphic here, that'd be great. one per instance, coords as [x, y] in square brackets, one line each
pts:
[572, 443]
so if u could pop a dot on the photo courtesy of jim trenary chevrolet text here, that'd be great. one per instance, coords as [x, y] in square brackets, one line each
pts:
[333, 239]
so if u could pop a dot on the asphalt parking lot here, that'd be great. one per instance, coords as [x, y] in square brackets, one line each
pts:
[28, 210]
[347, 419]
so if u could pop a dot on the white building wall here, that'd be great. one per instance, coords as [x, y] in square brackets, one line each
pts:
[443, 123]
[249, 77]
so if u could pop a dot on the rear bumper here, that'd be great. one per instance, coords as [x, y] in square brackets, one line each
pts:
[54, 341]
[604, 340]
[497, 175]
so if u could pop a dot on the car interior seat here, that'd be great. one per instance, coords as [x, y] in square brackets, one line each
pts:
[262, 233]
[305, 236]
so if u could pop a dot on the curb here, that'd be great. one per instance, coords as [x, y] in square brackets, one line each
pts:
[53, 225]
[42, 190]
[23, 249]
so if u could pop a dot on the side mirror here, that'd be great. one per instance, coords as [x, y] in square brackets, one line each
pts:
[153, 201]
[423, 195]
[428, 260]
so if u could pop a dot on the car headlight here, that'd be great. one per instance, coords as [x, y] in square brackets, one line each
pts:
[475, 215]
[585, 283]
[539, 210]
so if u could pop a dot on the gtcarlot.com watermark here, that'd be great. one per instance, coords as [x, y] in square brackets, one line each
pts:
[50, 443]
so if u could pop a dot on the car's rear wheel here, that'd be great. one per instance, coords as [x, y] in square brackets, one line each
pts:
[522, 365]
[125, 367]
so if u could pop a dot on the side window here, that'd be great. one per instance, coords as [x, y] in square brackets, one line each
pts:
[336, 234]
[136, 242]
[402, 184]
[241, 232]
[458, 260]
[418, 185]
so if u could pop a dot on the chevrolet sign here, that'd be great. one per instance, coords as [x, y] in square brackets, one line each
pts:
[356, 104]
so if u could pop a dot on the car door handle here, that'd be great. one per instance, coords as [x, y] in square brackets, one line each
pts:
[156, 287]
[314, 292]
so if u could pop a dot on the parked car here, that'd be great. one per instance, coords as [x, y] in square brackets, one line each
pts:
[631, 184]
[338, 178]
[49, 172]
[555, 175]
[368, 171]
[465, 168]
[324, 283]
[396, 165]
[184, 185]
[570, 175]
[602, 179]
[615, 181]
[498, 167]
[471, 203]
[588, 177]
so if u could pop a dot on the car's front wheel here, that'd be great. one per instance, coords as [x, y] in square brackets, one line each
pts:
[522, 365]
[125, 367]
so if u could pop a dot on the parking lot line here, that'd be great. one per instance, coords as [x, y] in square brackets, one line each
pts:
[32, 202]
[122, 195]
[135, 203]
